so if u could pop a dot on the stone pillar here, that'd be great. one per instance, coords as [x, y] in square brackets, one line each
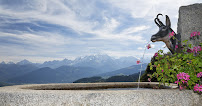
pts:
[190, 20]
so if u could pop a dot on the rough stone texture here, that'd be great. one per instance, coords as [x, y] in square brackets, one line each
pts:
[190, 20]
[16, 96]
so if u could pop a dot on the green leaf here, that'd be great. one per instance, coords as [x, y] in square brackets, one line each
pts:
[190, 45]
[161, 51]
[185, 41]
[151, 67]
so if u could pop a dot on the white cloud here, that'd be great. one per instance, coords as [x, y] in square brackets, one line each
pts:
[110, 24]
[134, 29]
[137, 8]
[152, 45]
[134, 53]
[143, 8]
[140, 48]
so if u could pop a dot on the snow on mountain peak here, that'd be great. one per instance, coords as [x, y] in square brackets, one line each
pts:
[23, 62]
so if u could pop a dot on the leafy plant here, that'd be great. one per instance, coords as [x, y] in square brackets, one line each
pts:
[183, 68]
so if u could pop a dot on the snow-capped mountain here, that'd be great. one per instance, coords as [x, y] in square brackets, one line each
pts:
[126, 61]
[3, 62]
[24, 62]
[104, 63]
[56, 63]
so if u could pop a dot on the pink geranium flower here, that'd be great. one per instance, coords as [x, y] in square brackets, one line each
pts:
[194, 34]
[156, 54]
[184, 77]
[176, 46]
[149, 79]
[177, 82]
[196, 49]
[199, 48]
[198, 88]
[189, 50]
[171, 34]
[138, 61]
[199, 75]
[148, 46]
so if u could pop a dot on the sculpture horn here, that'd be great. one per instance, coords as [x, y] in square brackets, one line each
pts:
[158, 22]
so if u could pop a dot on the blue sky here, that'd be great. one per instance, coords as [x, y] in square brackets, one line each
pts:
[43, 30]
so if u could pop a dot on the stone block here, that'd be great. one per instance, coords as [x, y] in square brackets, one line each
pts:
[190, 20]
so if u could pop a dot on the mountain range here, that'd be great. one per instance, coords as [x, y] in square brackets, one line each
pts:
[65, 71]
[117, 78]
[63, 74]
[125, 71]
[103, 63]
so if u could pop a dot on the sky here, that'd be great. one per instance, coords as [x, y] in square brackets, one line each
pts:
[45, 30]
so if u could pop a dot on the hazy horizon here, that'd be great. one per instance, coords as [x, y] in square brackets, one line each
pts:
[41, 62]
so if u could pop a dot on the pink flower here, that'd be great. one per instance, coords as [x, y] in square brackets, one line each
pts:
[193, 34]
[138, 61]
[199, 75]
[181, 87]
[149, 79]
[171, 34]
[196, 49]
[162, 70]
[177, 82]
[176, 46]
[189, 51]
[199, 48]
[156, 54]
[184, 81]
[198, 88]
[148, 46]
[184, 77]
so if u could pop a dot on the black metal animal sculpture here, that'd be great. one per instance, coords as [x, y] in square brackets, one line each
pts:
[165, 34]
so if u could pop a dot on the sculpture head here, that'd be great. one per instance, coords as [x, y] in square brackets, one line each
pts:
[164, 32]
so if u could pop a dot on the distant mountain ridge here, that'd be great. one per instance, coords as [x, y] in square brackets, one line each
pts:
[63, 74]
[117, 78]
[125, 71]
[8, 71]
[103, 63]
[127, 74]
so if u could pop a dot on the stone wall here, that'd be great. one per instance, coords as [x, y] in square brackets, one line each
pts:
[19, 96]
[190, 20]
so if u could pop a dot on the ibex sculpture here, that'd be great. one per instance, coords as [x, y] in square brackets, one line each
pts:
[172, 43]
